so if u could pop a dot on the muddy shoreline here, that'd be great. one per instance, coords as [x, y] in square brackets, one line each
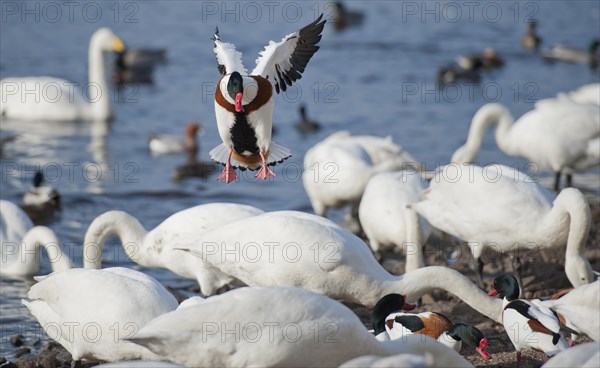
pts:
[543, 275]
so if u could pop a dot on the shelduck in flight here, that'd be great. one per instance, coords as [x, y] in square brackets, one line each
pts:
[244, 103]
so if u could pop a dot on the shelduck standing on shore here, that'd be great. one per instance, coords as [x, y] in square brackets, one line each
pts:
[528, 324]
[244, 103]
[391, 323]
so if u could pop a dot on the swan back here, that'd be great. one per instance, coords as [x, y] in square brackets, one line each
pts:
[558, 136]
[495, 204]
[382, 149]
[190, 224]
[382, 210]
[259, 327]
[292, 249]
[580, 308]
[336, 173]
[337, 169]
[583, 356]
[89, 311]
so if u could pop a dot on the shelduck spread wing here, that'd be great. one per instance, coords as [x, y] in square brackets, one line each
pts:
[282, 63]
[229, 60]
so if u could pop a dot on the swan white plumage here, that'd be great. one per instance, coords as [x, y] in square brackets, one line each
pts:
[91, 312]
[298, 328]
[586, 94]
[383, 214]
[557, 137]
[303, 250]
[155, 248]
[21, 243]
[139, 364]
[337, 169]
[500, 207]
[579, 309]
[61, 100]
[583, 356]
[394, 361]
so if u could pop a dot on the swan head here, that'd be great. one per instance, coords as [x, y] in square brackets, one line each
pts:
[105, 40]
[385, 306]
[505, 286]
[578, 270]
[471, 336]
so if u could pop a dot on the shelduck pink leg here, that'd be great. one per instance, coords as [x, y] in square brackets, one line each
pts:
[228, 174]
[264, 171]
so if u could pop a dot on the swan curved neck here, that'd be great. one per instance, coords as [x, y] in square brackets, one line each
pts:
[419, 282]
[42, 237]
[127, 228]
[572, 202]
[486, 116]
[97, 91]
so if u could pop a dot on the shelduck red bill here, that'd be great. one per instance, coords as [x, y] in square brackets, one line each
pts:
[238, 102]
[493, 292]
[481, 349]
[244, 103]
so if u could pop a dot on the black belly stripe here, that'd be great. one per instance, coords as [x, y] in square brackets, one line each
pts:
[412, 323]
[242, 135]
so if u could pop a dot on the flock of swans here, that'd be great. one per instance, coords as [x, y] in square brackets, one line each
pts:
[298, 265]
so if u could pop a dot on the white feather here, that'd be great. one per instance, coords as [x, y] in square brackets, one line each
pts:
[276, 53]
[229, 57]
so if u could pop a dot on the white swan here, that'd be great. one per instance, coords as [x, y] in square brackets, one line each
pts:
[586, 94]
[582, 356]
[60, 100]
[91, 312]
[21, 243]
[296, 328]
[394, 361]
[337, 169]
[383, 214]
[579, 309]
[499, 207]
[155, 248]
[557, 137]
[139, 364]
[290, 248]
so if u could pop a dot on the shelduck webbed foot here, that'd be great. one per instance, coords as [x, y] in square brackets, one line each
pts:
[264, 173]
